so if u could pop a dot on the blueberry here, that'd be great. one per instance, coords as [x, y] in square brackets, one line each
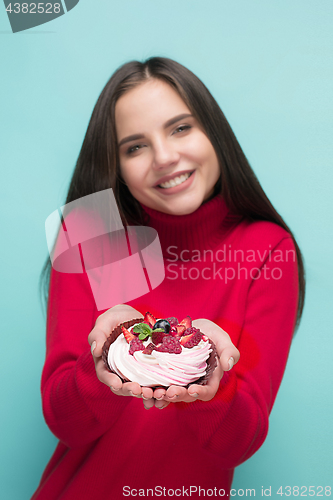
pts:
[162, 323]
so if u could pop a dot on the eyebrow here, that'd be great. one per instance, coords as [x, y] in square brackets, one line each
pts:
[167, 124]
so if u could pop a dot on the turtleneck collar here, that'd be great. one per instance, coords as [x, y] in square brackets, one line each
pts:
[201, 229]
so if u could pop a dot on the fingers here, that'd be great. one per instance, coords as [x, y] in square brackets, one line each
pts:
[229, 354]
[96, 339]
[106, 377]
[106, 322]
[175, 393]
[154, 398]
[208, 391]
[117, 314]
[147, 393]
[130, 389]
[159, 393]
[229, 357]
[159, 398]
[160, 405]
[148, 403]
[196, 391]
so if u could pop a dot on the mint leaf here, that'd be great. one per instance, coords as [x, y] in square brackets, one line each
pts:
[158, 330]
[143, 336]
[142, 328]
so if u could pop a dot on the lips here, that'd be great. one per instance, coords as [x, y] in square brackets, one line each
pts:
[177, 188]
[168, 178]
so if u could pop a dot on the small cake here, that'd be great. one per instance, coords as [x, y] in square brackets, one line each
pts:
[160, 352]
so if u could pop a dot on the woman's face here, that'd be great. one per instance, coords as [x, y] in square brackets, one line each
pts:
[166, 159]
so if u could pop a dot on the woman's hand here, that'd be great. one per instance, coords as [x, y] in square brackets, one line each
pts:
[228, 355]
[104, 325]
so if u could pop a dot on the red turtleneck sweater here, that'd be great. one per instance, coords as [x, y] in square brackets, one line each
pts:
[243, 276]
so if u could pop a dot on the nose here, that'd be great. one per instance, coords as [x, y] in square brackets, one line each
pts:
[164, 154]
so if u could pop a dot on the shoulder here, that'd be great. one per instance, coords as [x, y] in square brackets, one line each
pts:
[263, 235]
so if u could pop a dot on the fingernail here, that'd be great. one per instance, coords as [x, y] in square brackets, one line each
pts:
[174, 396]
[194, 394]
[146, 399]
[159, 399]
[113, 388]
[93, 345]
[231, 362]
[135, 395]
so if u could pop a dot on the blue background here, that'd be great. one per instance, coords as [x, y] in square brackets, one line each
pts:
[269, 65]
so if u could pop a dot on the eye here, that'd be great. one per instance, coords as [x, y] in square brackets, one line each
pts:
[134, 149]
[181, 128]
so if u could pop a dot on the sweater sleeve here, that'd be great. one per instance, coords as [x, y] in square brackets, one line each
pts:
[234, 424]
[77, 407]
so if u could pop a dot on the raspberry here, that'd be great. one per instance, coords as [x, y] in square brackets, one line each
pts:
[170, 344]
[135, 345]
[172, 320]
[149, 348]
[157, 337]
[192, 338]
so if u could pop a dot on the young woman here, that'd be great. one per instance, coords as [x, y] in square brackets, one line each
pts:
[160, 141]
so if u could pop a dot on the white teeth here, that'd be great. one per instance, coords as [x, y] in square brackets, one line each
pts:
[175, 181]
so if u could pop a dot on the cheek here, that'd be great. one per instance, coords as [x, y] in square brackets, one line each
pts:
[129, 174]
[135, 170]
[203, 150]
[211, 159]
[133, 176]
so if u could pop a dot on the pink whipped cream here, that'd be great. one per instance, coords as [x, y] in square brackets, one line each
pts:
[159, 368]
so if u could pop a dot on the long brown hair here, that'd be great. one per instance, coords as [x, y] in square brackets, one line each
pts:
[98, 168]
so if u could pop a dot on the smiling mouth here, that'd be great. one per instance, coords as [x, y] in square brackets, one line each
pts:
[175, 181]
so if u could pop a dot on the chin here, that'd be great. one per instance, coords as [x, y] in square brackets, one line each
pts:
[182, 209]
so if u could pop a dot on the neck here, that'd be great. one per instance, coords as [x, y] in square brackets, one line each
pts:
[200, 229]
